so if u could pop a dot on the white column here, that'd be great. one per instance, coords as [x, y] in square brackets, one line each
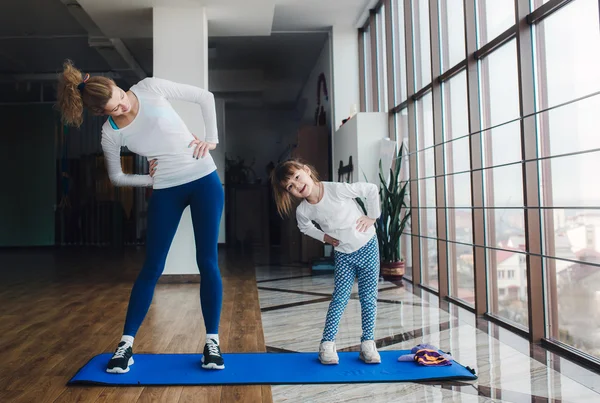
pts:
[181, 55]
[345, 91]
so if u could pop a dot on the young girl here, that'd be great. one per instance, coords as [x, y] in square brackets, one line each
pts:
[356, 251]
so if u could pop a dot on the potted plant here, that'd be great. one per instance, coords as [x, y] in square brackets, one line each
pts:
[395, 214]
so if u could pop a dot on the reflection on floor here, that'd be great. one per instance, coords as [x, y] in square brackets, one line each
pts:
[294, 305]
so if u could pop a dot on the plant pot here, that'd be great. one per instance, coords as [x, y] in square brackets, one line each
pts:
[392, 271]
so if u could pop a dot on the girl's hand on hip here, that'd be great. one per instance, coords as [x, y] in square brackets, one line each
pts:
[202, 147]
[153, 165]
[330, 240]
[364, 223]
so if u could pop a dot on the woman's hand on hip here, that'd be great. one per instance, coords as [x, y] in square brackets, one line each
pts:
[364, 223]
[202, 147]
[330, 240]
[153, 165]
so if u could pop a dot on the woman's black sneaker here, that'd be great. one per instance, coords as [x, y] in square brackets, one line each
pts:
[121, 360]
[211, 358]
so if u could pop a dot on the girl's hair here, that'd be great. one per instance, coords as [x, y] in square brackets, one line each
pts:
[279, 177]
[75, 92]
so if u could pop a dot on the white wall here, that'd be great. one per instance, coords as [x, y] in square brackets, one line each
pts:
[345, 86]
[307, 101]
[259, 134]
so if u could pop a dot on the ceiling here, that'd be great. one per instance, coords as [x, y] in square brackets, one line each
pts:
[133, 18]
[278, 41]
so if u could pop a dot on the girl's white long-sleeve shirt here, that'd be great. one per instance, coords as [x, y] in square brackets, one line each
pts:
[158, 132]
[337, 213]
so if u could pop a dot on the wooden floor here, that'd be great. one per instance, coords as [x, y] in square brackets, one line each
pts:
[59, 308]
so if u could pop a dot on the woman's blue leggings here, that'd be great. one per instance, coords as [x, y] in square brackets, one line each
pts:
[205, 198]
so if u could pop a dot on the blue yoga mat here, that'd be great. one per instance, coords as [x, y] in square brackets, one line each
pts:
[264, 369]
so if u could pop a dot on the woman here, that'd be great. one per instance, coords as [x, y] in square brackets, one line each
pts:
[182, 173]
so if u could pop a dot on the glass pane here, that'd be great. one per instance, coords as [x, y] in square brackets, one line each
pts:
[452, 32]
[425, 136]
[570, 128]
[568, 59]
[402, 138]
[458, 159]
[408, 242]
[427, 189]
[399, 52]
[500, 84]
[421, 44]
[570, 181]
[575, 288]
[426, 163]
[576, 234]
[428, 228]
[504, 186]
[462, 277]
[458, 190]
[500, 104]
[407, 253]
[382, 60]
[460, 228]
[495, 17]
[456, 123]
[506, 228]
[508, 285]
[429, 262]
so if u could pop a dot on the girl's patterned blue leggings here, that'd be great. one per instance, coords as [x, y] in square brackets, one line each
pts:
[364, 264]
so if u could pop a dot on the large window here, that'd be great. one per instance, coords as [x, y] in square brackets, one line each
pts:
[497, 103]
[567, 69]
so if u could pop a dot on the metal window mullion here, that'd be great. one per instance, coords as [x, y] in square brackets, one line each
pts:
[479, 263]
[438, 138]
[496, 43]
[412, 143]
[531, 185]
[422, 92]
[545, 10]
[452, 71]
[374, 61]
